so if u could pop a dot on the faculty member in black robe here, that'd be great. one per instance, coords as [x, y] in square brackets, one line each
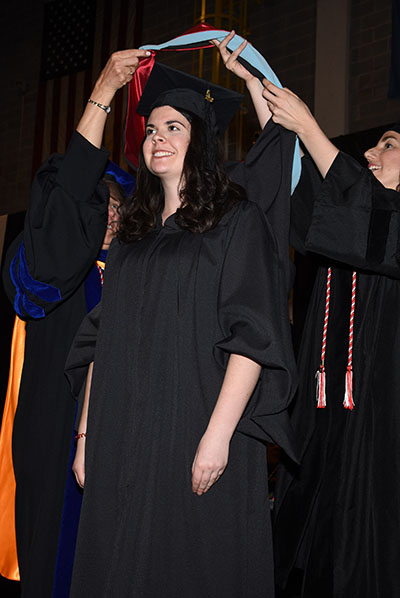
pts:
[192, 373]
[44, 277]
[337, 518]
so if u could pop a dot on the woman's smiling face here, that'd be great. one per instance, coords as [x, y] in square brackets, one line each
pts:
[384, 160]
[166, 142]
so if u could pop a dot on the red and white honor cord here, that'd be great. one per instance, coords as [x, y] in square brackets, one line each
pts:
[321, 374]
[348, 393]
[348, 402]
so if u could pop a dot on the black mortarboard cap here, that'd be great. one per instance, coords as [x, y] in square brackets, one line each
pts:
[169, 87]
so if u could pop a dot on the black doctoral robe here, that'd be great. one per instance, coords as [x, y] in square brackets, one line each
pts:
[337, 517]
[64, 229]
[175, 305]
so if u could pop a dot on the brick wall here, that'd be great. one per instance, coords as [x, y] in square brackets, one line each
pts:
[284, 32]
[369, 69]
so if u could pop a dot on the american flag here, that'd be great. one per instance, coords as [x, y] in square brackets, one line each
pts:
[78, 38]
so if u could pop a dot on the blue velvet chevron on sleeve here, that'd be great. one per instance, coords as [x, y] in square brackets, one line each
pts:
[31, 295]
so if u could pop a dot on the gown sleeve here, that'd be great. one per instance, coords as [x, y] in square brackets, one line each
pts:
[355, 220]
[63, 230]
[266, 175]
[302, 204]
[81, 354]
[254, 322]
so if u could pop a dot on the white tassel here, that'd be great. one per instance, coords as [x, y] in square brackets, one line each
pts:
[321, 388]
[348, 393]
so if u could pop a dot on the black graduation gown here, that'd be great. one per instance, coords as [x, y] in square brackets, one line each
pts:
[338, 516]
[266, 175]
[175, 305]
[64, 228]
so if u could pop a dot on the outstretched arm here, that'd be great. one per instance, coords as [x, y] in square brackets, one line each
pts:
[292, 113]
[67, 215]
[253, 84]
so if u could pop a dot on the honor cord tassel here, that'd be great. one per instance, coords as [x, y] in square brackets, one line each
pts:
[348, 393]
[321, 374]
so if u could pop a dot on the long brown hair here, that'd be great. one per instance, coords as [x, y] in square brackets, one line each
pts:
[206, 195]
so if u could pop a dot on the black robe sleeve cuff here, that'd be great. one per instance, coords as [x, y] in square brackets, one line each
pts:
[302, 204]
[254, 322]
[63, 231]
[355, 219]
[87, 162]
[81, 354]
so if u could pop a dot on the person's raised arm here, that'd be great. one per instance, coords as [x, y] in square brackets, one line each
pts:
[67, 214]
[254, 86]
[292, 113]
[117, 72]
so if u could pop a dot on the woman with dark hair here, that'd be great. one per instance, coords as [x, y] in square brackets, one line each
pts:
[337, 517]
[191, 376]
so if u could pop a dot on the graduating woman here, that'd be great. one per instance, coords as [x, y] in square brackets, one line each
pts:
[338, 517]
[192, 373]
